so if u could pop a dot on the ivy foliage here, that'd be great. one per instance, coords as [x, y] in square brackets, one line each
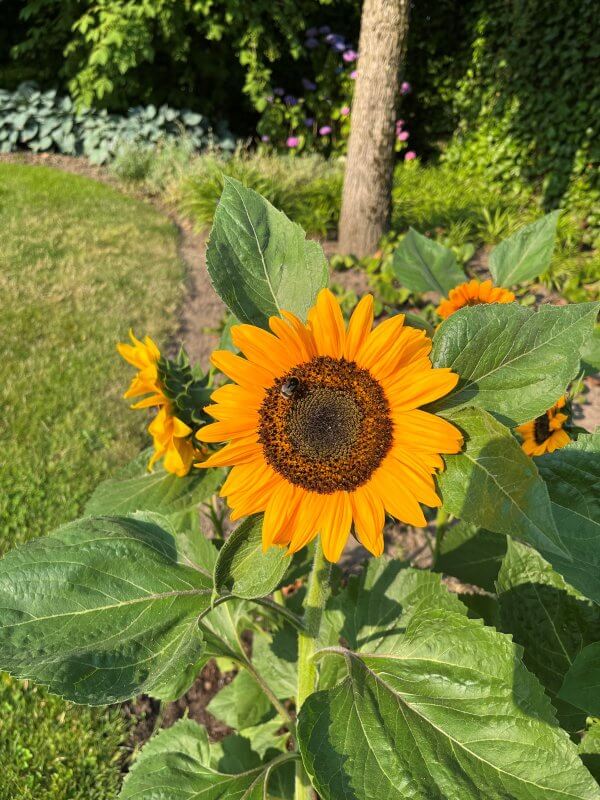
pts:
[525, 103]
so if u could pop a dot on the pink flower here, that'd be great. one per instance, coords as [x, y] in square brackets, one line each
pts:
[399, 123]
[344, 111]
[350, 56]
[325, 130]
[410, 155]
[402, 136]
[292, 141]
[405, 88]
[354, 75]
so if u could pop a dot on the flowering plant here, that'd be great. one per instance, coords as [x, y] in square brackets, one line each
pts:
[386, 683]
[316, 117]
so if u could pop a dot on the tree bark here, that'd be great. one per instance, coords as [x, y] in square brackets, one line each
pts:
[367, 194]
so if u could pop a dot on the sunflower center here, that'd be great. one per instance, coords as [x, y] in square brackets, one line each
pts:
[541, 429]
[326, 425]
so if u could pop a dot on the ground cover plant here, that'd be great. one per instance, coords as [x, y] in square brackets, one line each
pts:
[314, 429]
[69, 247]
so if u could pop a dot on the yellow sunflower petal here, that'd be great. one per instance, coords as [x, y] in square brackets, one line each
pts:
[419, 430]
[379, 341]
[240, 451]
[359, 327]
[281, 506]
[241, 371]
[303, 332]
[335, 525]
[263, 348]
[369, 518]
[229, 429]
[327, 325]
[396, 497]
[292, 340]
[426, 387]
[418, 481]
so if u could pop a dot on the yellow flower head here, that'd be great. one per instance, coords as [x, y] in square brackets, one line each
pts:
[324, 426]
[473, 293]
[172, 438]
[545, 434]
[144, 356]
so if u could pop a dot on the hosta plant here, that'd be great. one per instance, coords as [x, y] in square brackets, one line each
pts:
[316, 429]
[43, 121]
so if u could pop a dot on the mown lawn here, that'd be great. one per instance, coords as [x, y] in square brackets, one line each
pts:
[79, 264]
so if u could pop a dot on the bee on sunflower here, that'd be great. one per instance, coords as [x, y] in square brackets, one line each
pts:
[546, 433]
[324, 426]
[169, 386]
[473, 293]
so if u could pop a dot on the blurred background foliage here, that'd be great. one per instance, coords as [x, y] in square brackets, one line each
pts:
[506, 88]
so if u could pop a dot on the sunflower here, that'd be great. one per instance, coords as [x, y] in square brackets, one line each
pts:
[324, 426]
[473, 293]
[545, 433]
[171, 436]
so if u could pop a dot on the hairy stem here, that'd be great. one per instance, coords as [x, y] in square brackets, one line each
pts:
[316, 596]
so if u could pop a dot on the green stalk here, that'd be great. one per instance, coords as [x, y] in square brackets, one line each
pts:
[316, 596]
[441, 524]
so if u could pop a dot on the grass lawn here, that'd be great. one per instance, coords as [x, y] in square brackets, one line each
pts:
[79, 264]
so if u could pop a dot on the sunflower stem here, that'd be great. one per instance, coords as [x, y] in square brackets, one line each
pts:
[316, 596]
[441, 524]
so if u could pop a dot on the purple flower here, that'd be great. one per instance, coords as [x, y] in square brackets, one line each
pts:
[290, 100]
[354, 75]
[410, 155]
[350, 56]
[311, 32]
[325, 130]
[265, 138]
[405, 88]
[292, 141]
[344, 111]
[311, 43]
[338, 47]
[308, 85]
[309, 122]
[324, 29]
[279, 91]
[402, 136]
[399, 124]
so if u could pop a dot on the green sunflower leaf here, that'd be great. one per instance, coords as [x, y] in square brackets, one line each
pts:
[589, 749]
[260, 262]
[452, 713]
[175, 765]
[102, 610]
[572, 476]
[472, 554]
[581, 686]
[526, 254]
[549, 619]
[372, 612]
[512, 361]
[136, 489]
[494, 485]
[242, 703]
[424, 265]
[242, 566]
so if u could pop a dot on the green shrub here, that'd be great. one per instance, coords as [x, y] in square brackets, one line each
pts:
[307, 189]
[43, 121]
[527, 101]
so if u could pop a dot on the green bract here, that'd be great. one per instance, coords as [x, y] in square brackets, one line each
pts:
[383, 684]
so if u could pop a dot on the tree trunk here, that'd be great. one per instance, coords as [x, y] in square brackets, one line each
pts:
[367, 195]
